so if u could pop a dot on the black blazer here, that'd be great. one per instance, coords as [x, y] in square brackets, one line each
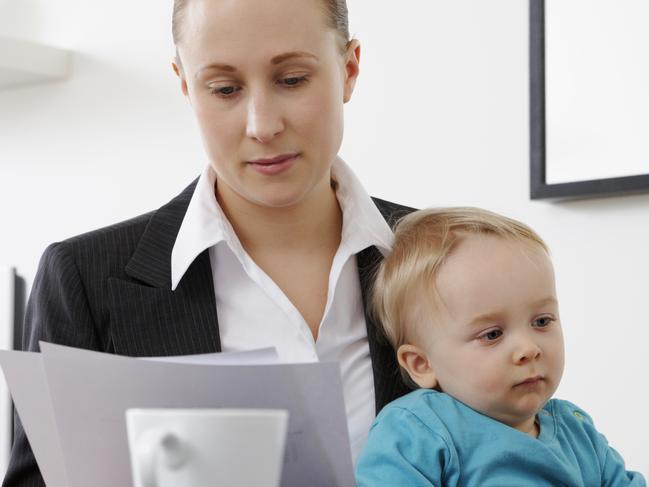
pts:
[110, 290]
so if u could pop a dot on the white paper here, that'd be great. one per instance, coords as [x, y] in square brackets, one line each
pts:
[261, 356]
[91, 391]
[25, 377]
[7, 315]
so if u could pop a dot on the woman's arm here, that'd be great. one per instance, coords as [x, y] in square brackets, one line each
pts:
[58, 312]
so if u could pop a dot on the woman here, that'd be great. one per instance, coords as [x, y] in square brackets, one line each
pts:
[273, 245]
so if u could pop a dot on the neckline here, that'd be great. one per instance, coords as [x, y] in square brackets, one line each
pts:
[546, 424]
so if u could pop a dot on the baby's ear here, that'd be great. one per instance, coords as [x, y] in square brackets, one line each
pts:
[416, 363]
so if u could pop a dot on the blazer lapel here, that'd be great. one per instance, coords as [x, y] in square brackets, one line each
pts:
[148, 317]
[388, 384]
[151, 261]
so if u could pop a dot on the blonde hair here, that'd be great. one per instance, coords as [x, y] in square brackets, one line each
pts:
[423, 241]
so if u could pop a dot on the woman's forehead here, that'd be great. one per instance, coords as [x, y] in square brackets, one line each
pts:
[259, 23]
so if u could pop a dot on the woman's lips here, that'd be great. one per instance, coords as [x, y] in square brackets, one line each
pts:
[274, 165]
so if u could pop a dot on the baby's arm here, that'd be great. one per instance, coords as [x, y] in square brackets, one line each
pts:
[401, 450]
[614, 473]
[611, 465]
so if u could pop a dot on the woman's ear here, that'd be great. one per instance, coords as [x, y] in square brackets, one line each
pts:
[175, 64]
[416, 363]
[352, 62]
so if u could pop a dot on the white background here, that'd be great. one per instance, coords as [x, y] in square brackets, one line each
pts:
[597, 74]
[439, 117]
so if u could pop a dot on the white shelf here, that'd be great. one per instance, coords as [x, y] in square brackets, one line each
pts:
[23, 62]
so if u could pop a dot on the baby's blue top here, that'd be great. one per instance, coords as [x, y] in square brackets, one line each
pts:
[428, 438]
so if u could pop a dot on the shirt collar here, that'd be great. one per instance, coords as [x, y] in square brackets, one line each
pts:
[205, 224]
[363, 224]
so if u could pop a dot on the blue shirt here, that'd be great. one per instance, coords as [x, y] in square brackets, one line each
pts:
[428, 438]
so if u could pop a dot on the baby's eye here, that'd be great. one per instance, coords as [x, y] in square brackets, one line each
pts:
[491, 335]
[542, 322]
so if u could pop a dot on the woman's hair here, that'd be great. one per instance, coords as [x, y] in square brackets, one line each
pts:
[423, 240]
[335, 10]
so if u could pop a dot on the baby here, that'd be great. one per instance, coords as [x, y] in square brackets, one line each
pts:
[467, 299]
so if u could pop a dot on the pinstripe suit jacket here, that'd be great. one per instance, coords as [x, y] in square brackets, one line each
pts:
[110, 290]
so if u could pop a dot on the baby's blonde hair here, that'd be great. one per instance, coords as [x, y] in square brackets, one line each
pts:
[423, 240]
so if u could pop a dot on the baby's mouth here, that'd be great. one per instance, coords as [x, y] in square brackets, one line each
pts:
[531, 381]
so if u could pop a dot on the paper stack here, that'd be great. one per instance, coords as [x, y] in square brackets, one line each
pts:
[72, 404]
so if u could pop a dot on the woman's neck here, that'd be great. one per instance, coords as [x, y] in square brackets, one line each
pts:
[299, 227]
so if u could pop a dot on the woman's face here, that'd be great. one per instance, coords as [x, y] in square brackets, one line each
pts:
[267, 82]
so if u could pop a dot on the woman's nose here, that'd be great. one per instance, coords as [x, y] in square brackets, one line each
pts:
[264, 120]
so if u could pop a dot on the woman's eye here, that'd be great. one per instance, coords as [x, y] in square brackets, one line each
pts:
[491, 335]
[542, 322]
[224, 91]
[230, 91]
[293, 81]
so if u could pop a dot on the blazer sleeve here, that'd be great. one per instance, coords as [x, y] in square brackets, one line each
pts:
[58, 312]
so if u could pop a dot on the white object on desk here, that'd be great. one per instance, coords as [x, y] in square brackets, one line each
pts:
[206, 447]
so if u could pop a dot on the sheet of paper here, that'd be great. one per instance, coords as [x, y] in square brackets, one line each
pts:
[7, 305]
[25, 377]
[90, 393]
[261, 356]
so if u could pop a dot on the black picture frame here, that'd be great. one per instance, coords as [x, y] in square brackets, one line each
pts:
[539, 188]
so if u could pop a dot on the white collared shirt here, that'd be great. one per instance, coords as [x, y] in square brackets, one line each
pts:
[254, 312]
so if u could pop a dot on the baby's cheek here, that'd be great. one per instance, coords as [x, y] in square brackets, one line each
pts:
[492, 384]
[484, 394]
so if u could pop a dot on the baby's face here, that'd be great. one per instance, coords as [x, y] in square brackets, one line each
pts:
[496, 342]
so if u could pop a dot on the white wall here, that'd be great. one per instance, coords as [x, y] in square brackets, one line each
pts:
[440, 117]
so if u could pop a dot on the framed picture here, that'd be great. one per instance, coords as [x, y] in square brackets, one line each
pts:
[589, 73]
[7, 322]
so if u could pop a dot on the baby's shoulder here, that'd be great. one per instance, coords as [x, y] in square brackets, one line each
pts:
[422, 401]
[415, 421]
[576, 426]
[568, 412]
[408, 442]
[436, 411]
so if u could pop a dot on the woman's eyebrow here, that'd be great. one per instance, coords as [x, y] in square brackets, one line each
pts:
[280, 58]
[290, 55]
[217, 67]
